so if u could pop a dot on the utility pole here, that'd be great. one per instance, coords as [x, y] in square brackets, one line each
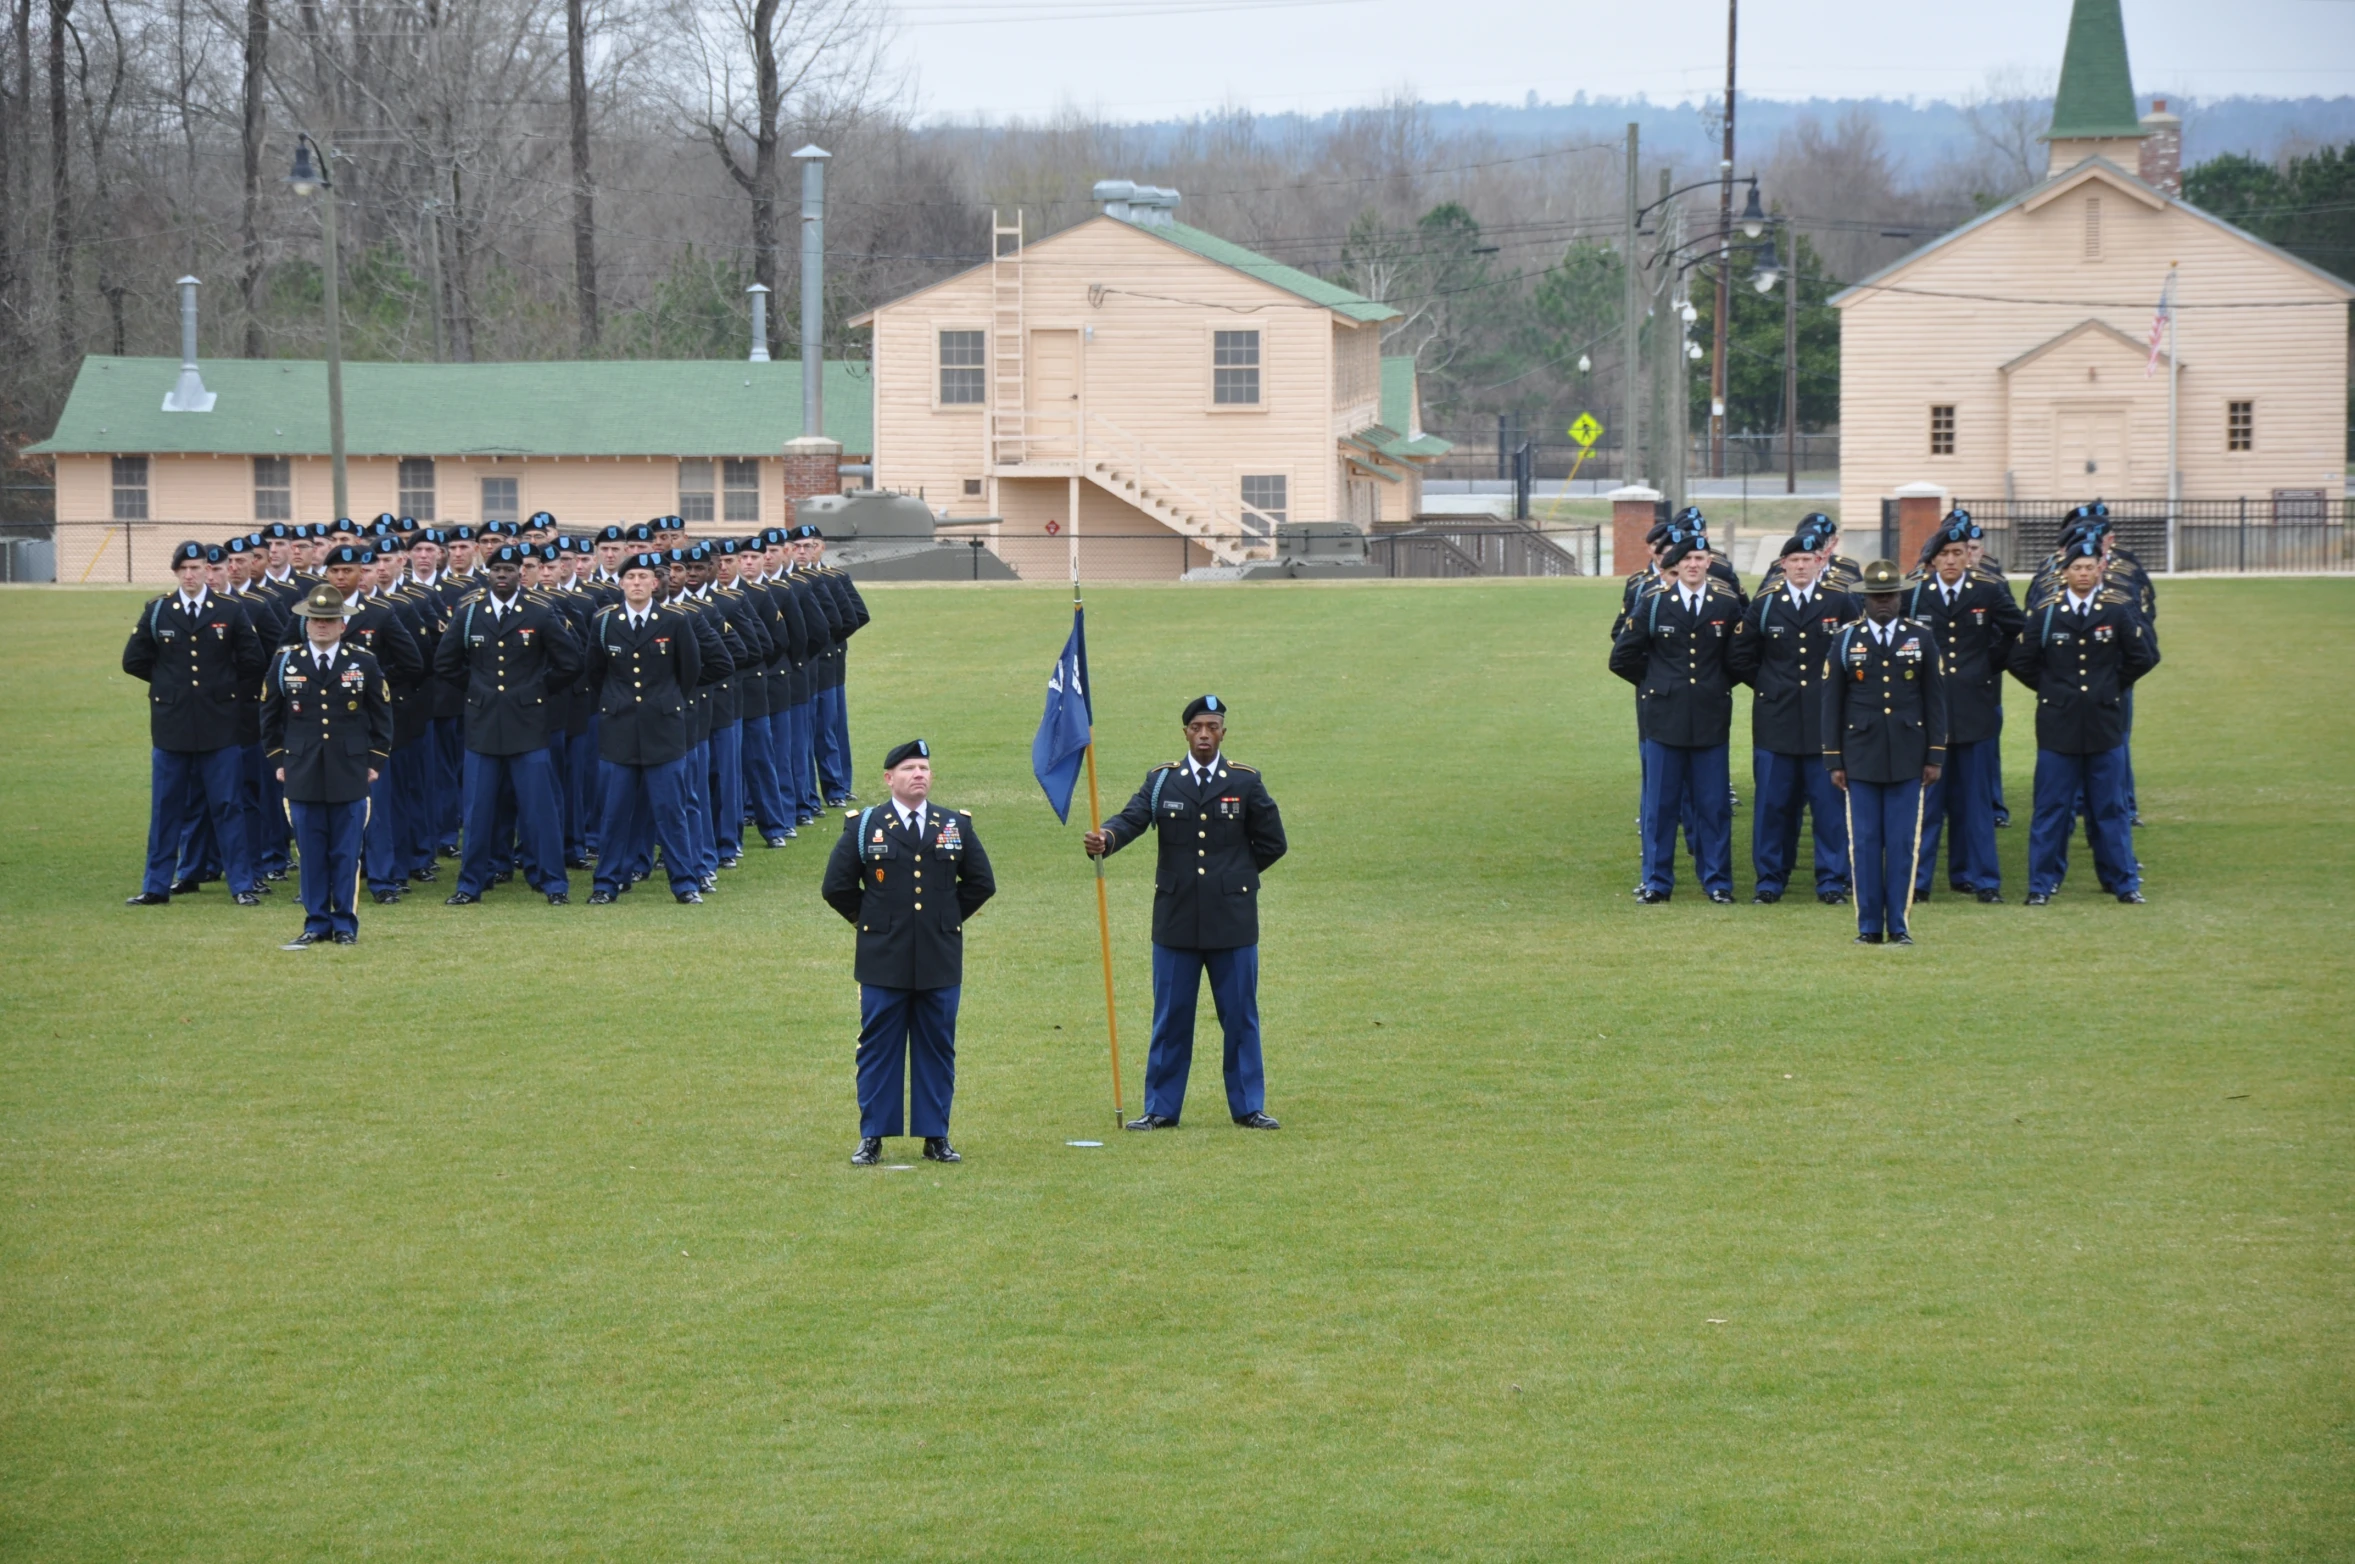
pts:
[1631, 325]
[1791, 362]
[1725, 259]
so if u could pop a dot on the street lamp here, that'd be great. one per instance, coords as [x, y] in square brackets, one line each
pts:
[1753, 215]
[309, 179]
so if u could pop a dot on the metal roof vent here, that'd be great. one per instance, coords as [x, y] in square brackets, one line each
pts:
[189, 395]
[1148, 206]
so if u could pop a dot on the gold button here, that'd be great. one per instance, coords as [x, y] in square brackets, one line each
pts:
[919, 906]
[1201, 871]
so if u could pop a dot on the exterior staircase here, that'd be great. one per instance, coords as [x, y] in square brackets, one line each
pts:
[1135, 473]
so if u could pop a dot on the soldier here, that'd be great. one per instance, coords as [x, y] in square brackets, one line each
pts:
[1673, 649]
[846, 613]
[1207, 921]
[647, 662]
[1976, 622]
[327, 724]
[2082, 653]
[1781, 658]
[1884, 740]
[911, 962]
[199, 656]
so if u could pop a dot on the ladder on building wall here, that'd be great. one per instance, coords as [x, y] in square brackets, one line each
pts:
[1006, 344]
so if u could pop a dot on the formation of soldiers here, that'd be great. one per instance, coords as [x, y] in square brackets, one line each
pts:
[556, 701]
[1878, 712]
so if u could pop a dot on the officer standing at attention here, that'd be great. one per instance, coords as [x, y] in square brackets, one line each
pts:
[1782, 658]
[1673, 649]
[1884, 740]
[1204, 921]
[198, 654]
[2082, 653]
[911, 948]
[1976, 622]
[327, 728]
[647, 663]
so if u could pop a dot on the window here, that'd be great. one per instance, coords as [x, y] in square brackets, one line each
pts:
[972, 485]
[740, 490]
[695, 490]
[500, 501]
[2093, 228]
[961, 368]
[273, 489]
[1264, 494]
[1942, 429]
[417, 487]
[1234, 369]
[130, 488]
[2240, 426]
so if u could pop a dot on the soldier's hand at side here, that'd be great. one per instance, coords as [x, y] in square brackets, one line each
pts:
[281, 773]
[1929, 775]
[371, 776]
[1095, 843]
[1840, 780]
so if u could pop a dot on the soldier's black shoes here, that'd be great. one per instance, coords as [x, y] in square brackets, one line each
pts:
[274, 874]
[709, 882]
[347, 939]
[869, 1153]
[503, 876]
[447, 850]
[1832, 898]
[560, 898]
[1651, 898]
[2039, 899]
[1921, 893]
[689, 898]
[1256, 1121]
[460, 899]
[1898, 939]
[2131, 898]
[938, 1149]
[1150, 1121]
[303, 941]
[1765, 898]
[1868, 939]
[1991, 898]
[385, 898]
[1722, 898]
[774, 841]
[601, 898]
[1957, 886]
[247, 898]
[578, 863]
[147, 899]
[730, 863]
[2003, 817]
[424, 876]
[187, 887]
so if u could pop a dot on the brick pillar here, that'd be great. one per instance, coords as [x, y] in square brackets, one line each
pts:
[1920, 507]
[1633, 511]
[813, 466]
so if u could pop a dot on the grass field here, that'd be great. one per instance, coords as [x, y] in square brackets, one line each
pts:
[1593, 1231]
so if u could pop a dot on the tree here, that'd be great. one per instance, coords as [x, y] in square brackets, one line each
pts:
[252, 121]
[584, 194]
[1754, 362]
[2304, 204]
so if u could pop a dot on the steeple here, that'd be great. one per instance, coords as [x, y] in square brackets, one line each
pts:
[2094, 109]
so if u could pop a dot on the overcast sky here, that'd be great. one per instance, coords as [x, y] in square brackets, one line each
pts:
[1155, 59]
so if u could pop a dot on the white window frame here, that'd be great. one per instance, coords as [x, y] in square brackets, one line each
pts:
[405, 491]
[699, 503]
[514, 511]
[131, 498]
[273, 501]
[1211, 367]
[739, 499]
[939, 330]
[1283, 513]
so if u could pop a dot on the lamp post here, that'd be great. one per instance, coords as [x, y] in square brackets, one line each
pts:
[309, 179]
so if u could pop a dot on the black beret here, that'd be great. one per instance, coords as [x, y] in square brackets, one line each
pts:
[643, 532]
[461, 533]
[1660, 533]
[652, 562]
[505, 554]
[385, 518]
[214, 553]
[406, 524]
[1204, 705]
[238, 545]
[1680, 545]
[772, 537]
[913, 749]
[342, 524]
[807, 529]
[1799, 543]
[612, 533]
[277, 532]
[540, 519]
[2086, 545]
[433, 535]
[347, 554]
[729, 546]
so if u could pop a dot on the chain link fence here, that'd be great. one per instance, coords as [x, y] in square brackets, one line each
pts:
[2292, 531]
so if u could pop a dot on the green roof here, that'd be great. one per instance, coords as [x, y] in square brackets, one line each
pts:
[2096, 96]
[1274, 273]
[1399, 412]
[611, 407]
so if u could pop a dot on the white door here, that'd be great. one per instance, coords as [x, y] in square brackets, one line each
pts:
[1051, 395]
[2089, 454]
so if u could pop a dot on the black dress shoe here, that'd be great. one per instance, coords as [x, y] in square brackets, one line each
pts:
[447, 850]
[560, 898]
[2039, 899]
[709, 882]
[689, 898]
[187, 887]
[1898, 939]
[1958, 887]
[578, 863]
[774, 841]
[1722, 898]
[2131, 898]
[638, 877]
[1150, 1121]
[274, 874]
[460, 899]
[869, 1153]
[601, 898]
[1868, 939]
[503, 876]
[1832, 898]
[938, 1149]
[2003, 817]
[1651, 898]
[303, 941]
[424, 876]
[1991, 898]
[247, 898]
[1765, 898]
[730, 863]
[1256, 1121]
[147, 899]
[386, 898]
[347, 939]
[1921, 893]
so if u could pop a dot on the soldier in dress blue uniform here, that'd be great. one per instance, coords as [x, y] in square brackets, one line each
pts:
[1205, 912]
[1674, 650]
[198, 654]
[1884, 739]
[911, 948]
[1782, 658]
[327, 725]
[2082, 653]
[846, 613]
[373, 626]
[1976, 622]
[647, 659]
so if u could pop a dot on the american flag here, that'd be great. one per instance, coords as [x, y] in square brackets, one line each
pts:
[2160, 319]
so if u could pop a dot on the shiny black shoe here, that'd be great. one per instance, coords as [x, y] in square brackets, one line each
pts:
[1150, 1121]
[385, 898]
[274, 875]
[2003, 817]
[1652, 898]
[247, 898]
[938, 1149]
[2131, 898]
[187, 887]
[1868, 939]
[1898, 939]
[1722, 898]
[689, 898]
[730, 863]
[1958, 887]
[1991, 898]
[560, 898]
[503, 876]
[2134, 821]
[347, 939]
[709, 882]
[2039, 899]
[869, 1153]
[1832, 898]
[424, 876]
[1765, 898]
[147, 899]
[460, 899]
[446, 850]
[303, 941]
[1921, 893]
[601, 898]
[774, 841]
[578, 863]
[1256, 1121]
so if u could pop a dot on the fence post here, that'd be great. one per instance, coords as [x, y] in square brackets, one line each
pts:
[126, 553]
[2242, 552]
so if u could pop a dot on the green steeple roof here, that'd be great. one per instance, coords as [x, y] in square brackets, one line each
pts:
[2096, 96]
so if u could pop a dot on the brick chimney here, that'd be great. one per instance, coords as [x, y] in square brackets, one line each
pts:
[2162, 149]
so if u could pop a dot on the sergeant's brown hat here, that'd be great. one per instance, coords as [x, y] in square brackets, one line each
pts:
[324, 603]
[1882, 577]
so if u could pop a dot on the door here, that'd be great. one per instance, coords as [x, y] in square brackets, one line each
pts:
[2089, 454]
[1051, 396]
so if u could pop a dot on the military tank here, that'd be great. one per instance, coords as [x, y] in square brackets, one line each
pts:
[881, 535]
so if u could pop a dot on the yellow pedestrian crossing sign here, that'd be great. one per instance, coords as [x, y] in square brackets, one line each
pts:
[1586, 431]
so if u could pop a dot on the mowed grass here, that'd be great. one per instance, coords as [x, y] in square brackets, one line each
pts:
[1593, 1231]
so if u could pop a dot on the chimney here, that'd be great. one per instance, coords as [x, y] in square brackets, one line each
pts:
[189, 395]
[2162, 150]
[813, 290]
[1147, 206]
[760, 322]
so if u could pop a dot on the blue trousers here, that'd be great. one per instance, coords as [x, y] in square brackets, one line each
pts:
[907, 1034]
[591, 765]
[702, 857]
[449, 782]
[180, 782]
[800, 767]
[661, 793]
[1234, 989]
[2101, 780]
[412, 774]
[380, 849]
[1884, 826]
[760, 776]
[526, 785]
[832, 712]
[1678, 781]
[265, 813]
[328, 836]
[1995, 765]
[1963, 800]
[1789, 786]
[578, 771]
[726, 789]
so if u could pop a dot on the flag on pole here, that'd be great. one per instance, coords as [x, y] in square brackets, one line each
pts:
[1062, 740]
[2160, 319]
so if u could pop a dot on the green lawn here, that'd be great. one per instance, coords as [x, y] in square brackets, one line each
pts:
[1593, 1230]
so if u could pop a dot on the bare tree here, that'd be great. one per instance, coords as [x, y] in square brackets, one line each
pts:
[584, 194]
[61, 190]
[252, 121]
[2007, 119]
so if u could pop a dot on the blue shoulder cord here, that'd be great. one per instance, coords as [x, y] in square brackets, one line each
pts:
[1159, 777]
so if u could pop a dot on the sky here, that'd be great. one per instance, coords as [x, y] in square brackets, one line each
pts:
[1162, 59]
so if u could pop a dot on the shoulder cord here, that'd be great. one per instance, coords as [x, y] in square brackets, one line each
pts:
[1159, 777]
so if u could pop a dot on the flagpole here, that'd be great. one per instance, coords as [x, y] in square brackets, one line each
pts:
[1103, 900]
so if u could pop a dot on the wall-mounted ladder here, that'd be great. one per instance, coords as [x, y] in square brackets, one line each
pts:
[1006, 340]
